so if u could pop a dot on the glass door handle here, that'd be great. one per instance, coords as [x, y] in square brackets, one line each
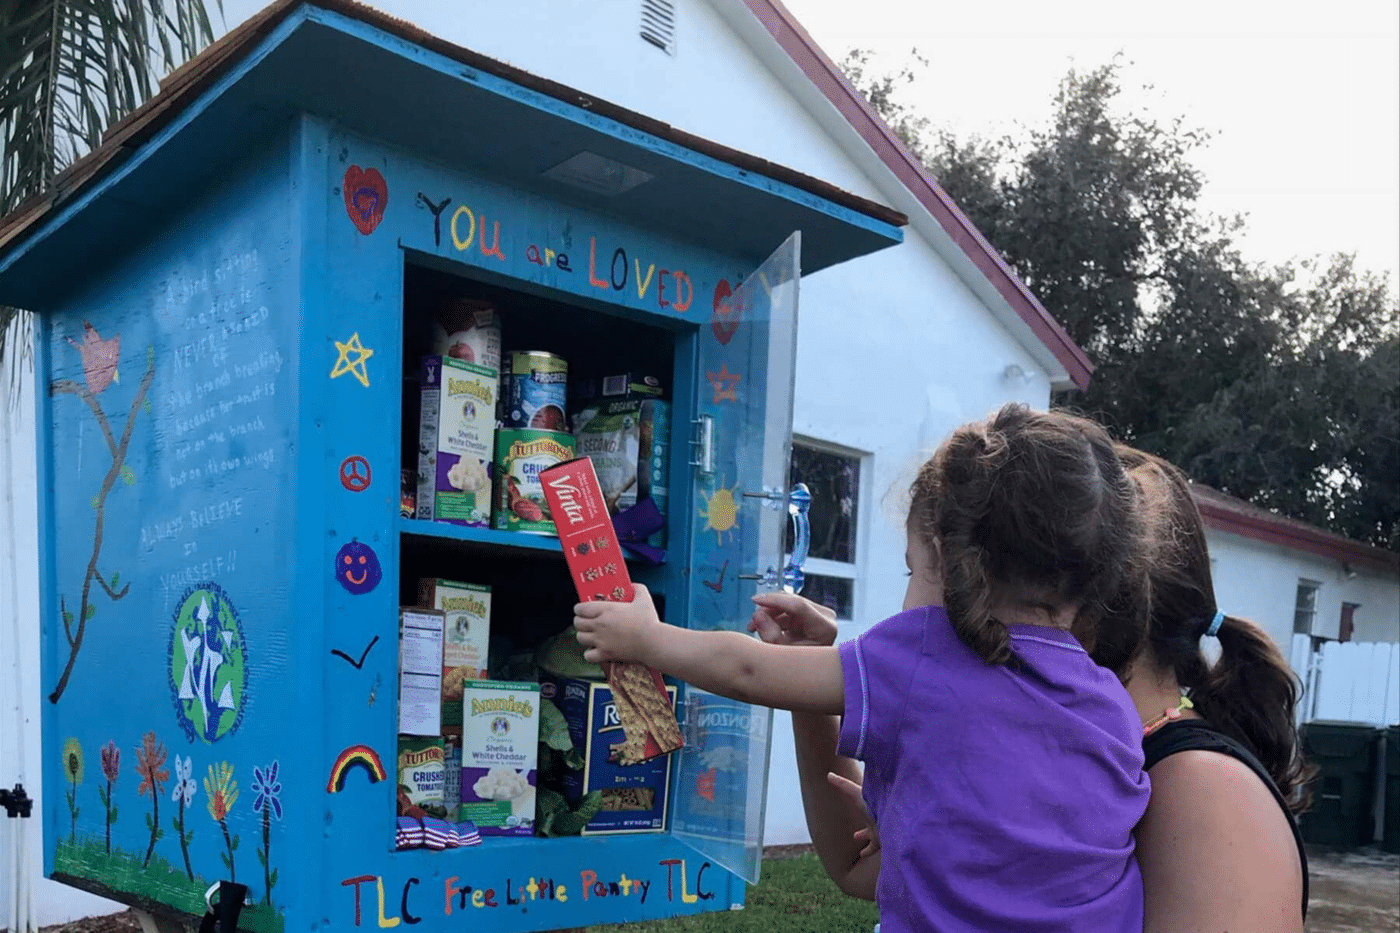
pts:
[799, 504]
[791, 579]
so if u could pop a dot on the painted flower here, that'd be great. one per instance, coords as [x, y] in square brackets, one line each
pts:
[185, 784]
[221, 789]
[267, 788]
[111, 762]
[73, 761]
[150, 761]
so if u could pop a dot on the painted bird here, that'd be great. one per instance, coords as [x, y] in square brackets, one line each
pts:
[99, 358]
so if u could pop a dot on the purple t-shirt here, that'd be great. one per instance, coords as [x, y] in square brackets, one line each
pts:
[1005, 795]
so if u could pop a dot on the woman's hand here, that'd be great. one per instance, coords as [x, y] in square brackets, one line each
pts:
[788, 619]
[851, 791]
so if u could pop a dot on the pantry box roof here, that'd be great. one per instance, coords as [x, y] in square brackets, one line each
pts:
[384, 78]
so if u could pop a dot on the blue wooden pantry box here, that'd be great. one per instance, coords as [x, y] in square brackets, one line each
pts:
[234, 294]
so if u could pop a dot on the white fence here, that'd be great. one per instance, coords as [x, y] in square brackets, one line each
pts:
[1348, 681]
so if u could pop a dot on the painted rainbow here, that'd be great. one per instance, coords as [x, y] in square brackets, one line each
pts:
[361, 756]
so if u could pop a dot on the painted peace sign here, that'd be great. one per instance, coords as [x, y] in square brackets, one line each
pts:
[355, 473]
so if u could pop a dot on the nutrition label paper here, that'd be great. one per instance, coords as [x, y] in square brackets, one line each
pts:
[420, 672]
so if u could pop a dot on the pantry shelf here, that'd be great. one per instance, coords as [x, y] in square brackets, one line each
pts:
[487, 537]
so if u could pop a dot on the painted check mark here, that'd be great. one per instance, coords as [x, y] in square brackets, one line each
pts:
[359, 665]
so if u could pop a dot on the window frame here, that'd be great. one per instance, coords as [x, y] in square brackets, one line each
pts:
[1316, 587]
[855, 570]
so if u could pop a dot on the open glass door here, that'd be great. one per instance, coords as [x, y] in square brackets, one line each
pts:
[747, 359]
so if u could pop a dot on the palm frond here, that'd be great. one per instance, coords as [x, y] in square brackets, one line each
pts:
[68, 70]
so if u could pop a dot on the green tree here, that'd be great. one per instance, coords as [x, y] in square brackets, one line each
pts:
[1275, 384]
[68, 70]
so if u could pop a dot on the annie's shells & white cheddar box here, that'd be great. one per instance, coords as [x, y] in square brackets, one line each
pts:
[466, 639]
[456, 441]
[500, 745]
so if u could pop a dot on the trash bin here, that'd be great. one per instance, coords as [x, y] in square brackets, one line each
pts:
[1343, 792]
[1391, 841]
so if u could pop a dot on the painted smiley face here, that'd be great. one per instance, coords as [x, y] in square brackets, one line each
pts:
[357, 568]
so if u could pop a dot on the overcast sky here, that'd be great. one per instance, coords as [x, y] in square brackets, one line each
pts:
[1303, 97]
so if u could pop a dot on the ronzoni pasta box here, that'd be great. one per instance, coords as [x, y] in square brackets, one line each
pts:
[595, 560]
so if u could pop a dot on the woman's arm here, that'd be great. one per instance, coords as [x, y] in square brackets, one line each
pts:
[833, 817]
[835, 814]
[1216, 852]
[802, 679]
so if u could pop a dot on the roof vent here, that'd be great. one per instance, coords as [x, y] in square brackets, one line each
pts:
[659, 24]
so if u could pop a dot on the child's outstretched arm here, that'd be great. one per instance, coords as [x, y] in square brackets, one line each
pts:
[803, 679]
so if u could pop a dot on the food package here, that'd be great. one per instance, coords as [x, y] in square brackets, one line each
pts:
[457, 430]
[628, 441]
[500, 749]
[465, 641]
[594, 557]
[635, 793]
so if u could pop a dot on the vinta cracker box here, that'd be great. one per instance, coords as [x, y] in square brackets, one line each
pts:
[456, 441]
[466, 638]
[635, 796]
[500, 748]
[595, 560]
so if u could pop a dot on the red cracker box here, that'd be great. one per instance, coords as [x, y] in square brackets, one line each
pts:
[595, 560]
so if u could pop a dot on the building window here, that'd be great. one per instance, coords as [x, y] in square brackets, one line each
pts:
[1305, 607]
[1348, 621]
[833, 477]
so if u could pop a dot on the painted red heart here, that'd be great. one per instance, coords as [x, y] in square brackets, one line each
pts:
[724, 321]
[366, 196]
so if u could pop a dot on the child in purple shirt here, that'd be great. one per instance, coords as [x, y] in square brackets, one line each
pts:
[1003, 766]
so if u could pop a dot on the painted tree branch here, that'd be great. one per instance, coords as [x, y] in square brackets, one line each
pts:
[118, 450]
[68, 387]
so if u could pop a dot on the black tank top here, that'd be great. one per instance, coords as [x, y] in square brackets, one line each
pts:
[1188, 735]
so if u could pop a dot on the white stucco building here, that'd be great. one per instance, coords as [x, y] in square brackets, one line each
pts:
[895, 349]
[1293, 578]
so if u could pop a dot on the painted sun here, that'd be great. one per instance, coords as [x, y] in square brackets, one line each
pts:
[720, 511]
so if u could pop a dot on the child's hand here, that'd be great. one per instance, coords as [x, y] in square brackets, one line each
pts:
[617, 631]
[788, 619]
[852, 792]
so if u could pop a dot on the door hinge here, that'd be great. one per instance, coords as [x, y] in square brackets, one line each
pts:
[702, 444]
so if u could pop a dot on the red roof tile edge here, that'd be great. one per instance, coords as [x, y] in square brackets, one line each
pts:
[827, 77]
[1223, 512]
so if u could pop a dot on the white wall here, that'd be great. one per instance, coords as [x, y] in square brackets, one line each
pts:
[20, 702]
[1259, 581]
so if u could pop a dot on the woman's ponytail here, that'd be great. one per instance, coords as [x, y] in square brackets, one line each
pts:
[1251, 694]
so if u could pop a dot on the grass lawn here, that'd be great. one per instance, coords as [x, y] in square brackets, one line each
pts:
[793, 896]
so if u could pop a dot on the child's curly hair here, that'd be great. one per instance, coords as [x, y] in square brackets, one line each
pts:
[1036, 505]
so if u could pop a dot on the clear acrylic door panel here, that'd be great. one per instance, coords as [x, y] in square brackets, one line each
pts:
[747, 359]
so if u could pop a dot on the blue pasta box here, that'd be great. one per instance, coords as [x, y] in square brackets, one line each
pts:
[635, 796]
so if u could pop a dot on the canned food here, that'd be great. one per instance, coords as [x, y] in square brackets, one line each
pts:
[535, 389]
[468, 330]
[521, 454]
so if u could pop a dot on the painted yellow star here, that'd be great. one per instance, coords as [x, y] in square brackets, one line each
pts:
[356, 367]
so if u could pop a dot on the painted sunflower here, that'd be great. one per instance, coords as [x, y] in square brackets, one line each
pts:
[73, 761]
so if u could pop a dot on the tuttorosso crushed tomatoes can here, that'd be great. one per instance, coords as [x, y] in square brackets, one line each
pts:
[521, 455]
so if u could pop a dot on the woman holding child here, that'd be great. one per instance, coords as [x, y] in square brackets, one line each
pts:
[1004, 766]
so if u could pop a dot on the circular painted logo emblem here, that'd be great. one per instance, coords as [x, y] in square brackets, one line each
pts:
[357, 568]
[500, 726]
[208, 664]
